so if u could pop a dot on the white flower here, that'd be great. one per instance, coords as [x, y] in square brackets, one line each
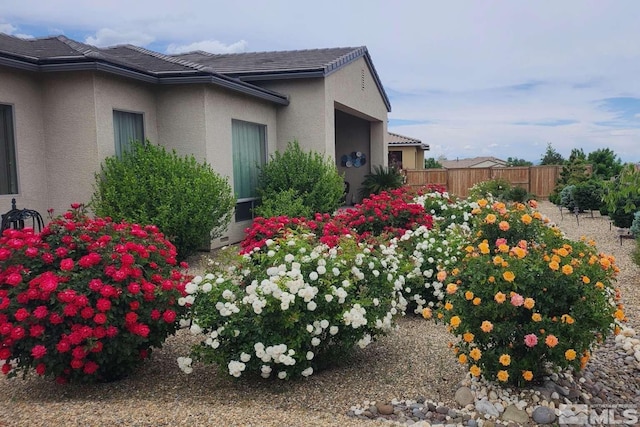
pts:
[321, 269]
[191, 287]
[189, 299]
[310, 328]
[324, 323]
[310, 355]
[219, 281]
[184, 323]
[333, 330]
[376, 302]
[365, 341]
[315, 341]
[271, 254]
[195, 329]
[182, 301]
[265, 371]
[282, 375]
[209, 276]
[288, 258]
[307, 372]
[196, 280]
[184, 363]
[335, 271]
[313, 276]
[328, 297]
[311, 305]
[245, 357]
[228, 295]
[206, 287]
[215, 344]
[355, 317]
[236, 368]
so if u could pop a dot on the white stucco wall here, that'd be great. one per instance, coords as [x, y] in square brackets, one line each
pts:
[182, 119]
[222, 107]
[22, 90]
[352, 134]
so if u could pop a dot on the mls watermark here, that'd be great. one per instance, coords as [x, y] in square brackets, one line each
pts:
[615, 414]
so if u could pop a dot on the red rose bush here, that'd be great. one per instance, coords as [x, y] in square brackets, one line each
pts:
[87, 299]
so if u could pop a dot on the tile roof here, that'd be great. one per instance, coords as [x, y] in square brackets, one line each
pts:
[472, 162]
[252, 66]
[267, 62]
[62, 53]
[394, 139]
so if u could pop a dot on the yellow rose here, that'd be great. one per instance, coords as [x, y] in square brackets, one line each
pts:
[462, 358]
[527, 375]
[476, 301]
[526, 219]
[529, 303]
[490, 219]
[475, 354]
[570, 354]
[426, 313]
[536, 317]
[468, 337]
[484, 248]
[554, 265]
[567, 269]
[452, 288]
[448, 306]
[500, 297]
[468, 295]
[455, 321]
[508, 276]
[486, 326]
[505, 360]
[503, 376]
[474, 370]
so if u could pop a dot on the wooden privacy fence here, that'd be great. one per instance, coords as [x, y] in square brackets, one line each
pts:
[537, 180]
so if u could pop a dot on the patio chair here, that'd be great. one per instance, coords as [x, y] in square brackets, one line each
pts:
[18, 218]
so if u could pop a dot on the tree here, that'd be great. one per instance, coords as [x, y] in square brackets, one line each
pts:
[514, 161]
[551, 156]
[605, 163]
[432, 163]
[575, 169]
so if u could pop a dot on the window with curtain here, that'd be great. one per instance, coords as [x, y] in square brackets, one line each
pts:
[8, 168]
[249, 153]
[127, 127]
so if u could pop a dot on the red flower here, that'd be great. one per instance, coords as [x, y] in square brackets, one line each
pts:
[67, 264]
[112, 331]
[77, 363]
[100, 318]
[6, 368]
[97, 347]
[21, 314]
[155, 314]
[70, 310]
[36, 330]
[79, 352]
[86, 313]
[169, 316]
[134, 305]
[62, 252]
[5, 354]
[13, 279]
[40, 312]
[130, 317]
[133, 288]
[17, 333]
[103, 304]
[90, 367]
[38, 351]
[55, 319]
[41, 369]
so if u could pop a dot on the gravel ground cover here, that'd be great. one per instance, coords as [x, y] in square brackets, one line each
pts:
[412, 364]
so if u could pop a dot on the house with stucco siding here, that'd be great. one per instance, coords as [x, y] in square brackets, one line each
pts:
[65, 106]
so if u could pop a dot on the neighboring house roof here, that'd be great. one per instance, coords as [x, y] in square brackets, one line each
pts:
[63, 54]
[253, 66]
[476, 162]
[396, 140]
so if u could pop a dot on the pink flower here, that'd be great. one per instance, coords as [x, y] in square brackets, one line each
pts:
[501, 241]
[13, 279]
[38, 351]
[530, 340]
[517, 300]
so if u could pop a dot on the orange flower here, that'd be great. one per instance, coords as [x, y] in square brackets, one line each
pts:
[619, 314]
[503, 225]
[605, 263]
[551, 341]
[486, 326]
[533, 204]
[468, 337]
[599, 285]
[490, 219]
[505, 360]
[554, 266]
[529, 303]
[584, 360]
[455, 271]
[508, 276]
[469, 249]
[520, 253]
[567, 319]
[500, 297]
[563, 252]
[484, 247]
[448, 306]
[475, 354]
[570, 354]
[497, 260]
[476, 301]
[441, 276]
[468, 295]
[526, 219]
[536, 317]
[586, 280]
[462, 358]
[455, 321]
[537, 215]
[440, 315]
[504, 248]
[482, 203]
[527, 375]
[567, 269]
[427, 313]
[503, 376]
[474, 370]
[452, 288]
[491, 279]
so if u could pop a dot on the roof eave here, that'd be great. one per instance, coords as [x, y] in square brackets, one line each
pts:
[160, 78]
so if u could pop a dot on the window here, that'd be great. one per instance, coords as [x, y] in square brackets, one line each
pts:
[127, 127]
[249, 153]
[395, 159]
[8, 169]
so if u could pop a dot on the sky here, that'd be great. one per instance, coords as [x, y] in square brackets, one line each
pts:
[469, 78]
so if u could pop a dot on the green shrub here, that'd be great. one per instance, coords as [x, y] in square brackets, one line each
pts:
[186, 199]
[518, 194]
[588, 195]
[296, 306]
[497, 188]
[284, 203]
[622, 196]
[526, 308]
[635, 225]
[311, 178]
[381, 179]
[567, 197]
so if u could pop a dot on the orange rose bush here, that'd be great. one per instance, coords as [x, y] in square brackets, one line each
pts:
[525, 306]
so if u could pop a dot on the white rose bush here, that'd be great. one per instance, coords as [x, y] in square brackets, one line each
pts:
[294, 305]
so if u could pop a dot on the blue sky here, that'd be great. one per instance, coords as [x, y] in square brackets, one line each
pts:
[470, 78]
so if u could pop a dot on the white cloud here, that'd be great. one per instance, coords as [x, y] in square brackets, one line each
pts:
[11, 30]
[211, 46]
[110, 37]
